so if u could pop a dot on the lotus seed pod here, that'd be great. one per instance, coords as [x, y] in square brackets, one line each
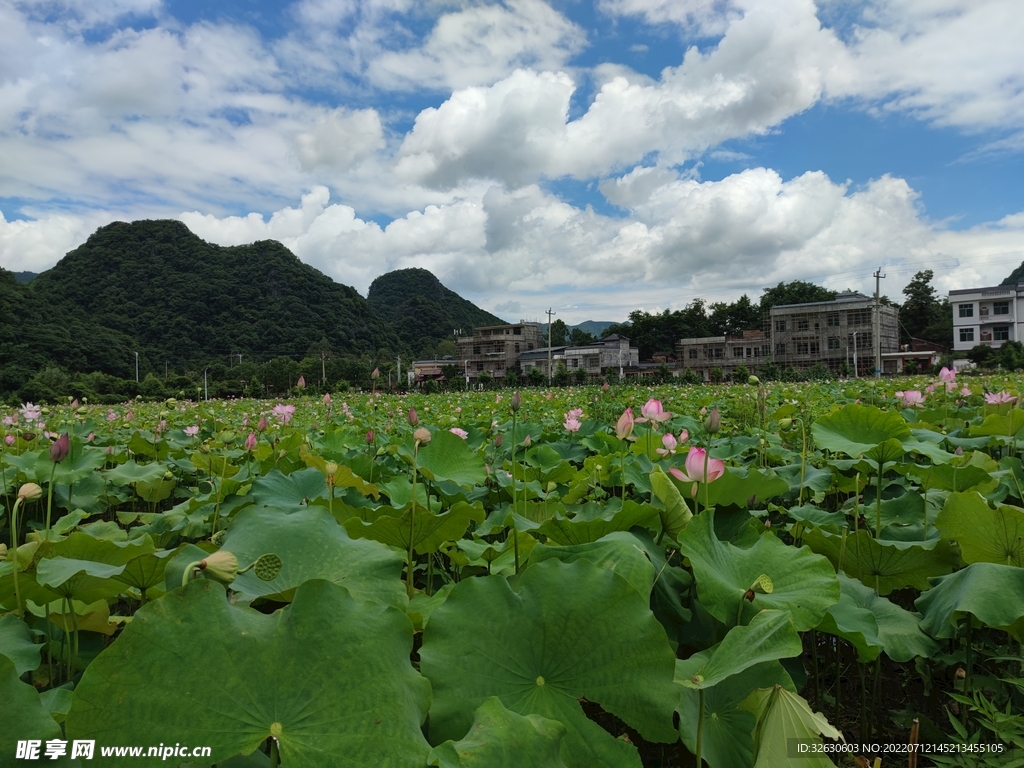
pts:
[221, 565]
[753, 381]
[267, 567]
[168, 475]
[763, 584]
[422, 435]
[218, 538]
[30, 492]
[3, 551]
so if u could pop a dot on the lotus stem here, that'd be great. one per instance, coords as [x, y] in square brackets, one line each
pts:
[700, 729]
[14, 547]
[803, 461]
[409, 587]
[275, 757]
[514, 507]
[878, 503]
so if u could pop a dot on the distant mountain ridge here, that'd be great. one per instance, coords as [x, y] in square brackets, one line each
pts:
[424, 312]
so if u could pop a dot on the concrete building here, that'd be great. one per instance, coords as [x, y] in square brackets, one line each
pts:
[705, 354]
[987, 316]
[496, 348]
[834, 332]
[601, 358]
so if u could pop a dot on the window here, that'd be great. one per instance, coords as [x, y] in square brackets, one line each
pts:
[575, 362]
[780, 349]
[967, 310]
[479, 366]
[860, 317]
[737, 351]
[517, 347]
[476, 349]
[780, 325]
[802, 325]
[815, 347]
[802, 348]
[719, 352]
[832, 319]
[1001, 333]
[1000, 307]
[693, 354]
[966, 334]
[517, 331]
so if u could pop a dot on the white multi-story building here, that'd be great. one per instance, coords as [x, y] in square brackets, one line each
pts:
[987, 316]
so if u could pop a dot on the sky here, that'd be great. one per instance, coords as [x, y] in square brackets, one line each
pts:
[589, 156]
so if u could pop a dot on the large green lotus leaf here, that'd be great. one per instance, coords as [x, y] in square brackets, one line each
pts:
[619, 552]
[886, 565]
[782, 716]
[499, 738]
[16, 643]
[770, 636]
[83, 580]
[540, 653]
[131, 472]
[985, 535]
[853, 622]
[814, 478]
[329, 676]
[344, 477]
[24, 716]
[80, 567]
[449, 457]
[897, 631]
[816, 517]
[675, 512]
[276, 489]
[991, 592]
[90, 494]
[738, 485]
[946, 477]
[855, 429]
[80, 462]
[426, 531]
[1010, 424]
[928, 448]
[311, 545]
[147, 570]
[582, 529]
[804, 583]
[728, 730]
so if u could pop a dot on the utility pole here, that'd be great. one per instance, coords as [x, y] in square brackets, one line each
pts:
[239, 358]
[323, 369]
[549, 314]
[856, 375]
[136, 364]
[878, 325]
[398, 377]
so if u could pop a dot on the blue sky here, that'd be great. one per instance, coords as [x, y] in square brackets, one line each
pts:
[596, 157]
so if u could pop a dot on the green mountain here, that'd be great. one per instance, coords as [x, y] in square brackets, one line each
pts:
[423, 312]
[25, 277]
[185, 301]
[1016, 276]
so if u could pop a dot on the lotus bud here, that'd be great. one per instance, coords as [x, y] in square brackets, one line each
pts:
[60, 447]
[250, 442]
[30, 492]
[327, 399]
[497, 441]
[785, 423]
[753, 381]
[752, 501]
[767, 524]
[413, 417]
[301, 383]
[605, 387]
[713, 422]
[421, 436]
[959, 450]
[220, 565]
[369, 437]
[375, 374]
[527, 442]
[261, 426]
[516, 402]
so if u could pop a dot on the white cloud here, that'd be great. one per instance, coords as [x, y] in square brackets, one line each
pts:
[339, 138]
[35, 245]
[481, 44]
[704, 17]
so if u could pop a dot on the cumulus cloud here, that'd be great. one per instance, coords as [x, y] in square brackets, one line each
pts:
[704, 17]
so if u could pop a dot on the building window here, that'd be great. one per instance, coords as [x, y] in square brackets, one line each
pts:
[1001, 333]
[737, 351]
[476, 349]
[479, 366]
[693, 354]
[802, 348]
[815, 347]
[802, 325]
[860, 317]
[719, 352]
[780, 349]
[575, 362]
[517, 331]
[966, 310]
[780, 325]
[833, 343]
[517, 347]
[832, 319]
[1000, 307]
[966, 334]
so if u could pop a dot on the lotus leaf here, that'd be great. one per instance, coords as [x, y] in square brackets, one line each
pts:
[428, 533]
[985, 535]
[675, 512]
[276, 489]
[499, 738]
[311, 545]
[448, 457]
[130, 472]
[991, 592]
[16, 643]
[25, 717]
[856, 429]
[540, 654]
[804, 583]
[783, 716]
[583, 528]
[619, 551]
[738, 485]
[328, 676]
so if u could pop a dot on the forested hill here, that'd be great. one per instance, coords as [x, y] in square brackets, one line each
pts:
[186, 301]
[422, 311]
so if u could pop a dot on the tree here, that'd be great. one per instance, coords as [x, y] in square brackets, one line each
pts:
[733, 319]
[795, 292]
[923, 316]
[559, 333]
[579, 337]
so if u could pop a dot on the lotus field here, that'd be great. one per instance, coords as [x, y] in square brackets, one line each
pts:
[575, 577]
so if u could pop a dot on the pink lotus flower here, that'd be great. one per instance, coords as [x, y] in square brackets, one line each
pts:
[9, 439]
[947, 375]
[965, 391]
[283, 413]
[652, 411]
[9, 421]
[301, 383]
[998, 398]
[624, 426]
[669, 444]
[111, 416]
[571, 424]
[30, 412]
[74, 403]
[192, 431]
[912, 398]
[930, 388]
[250, 442]
[327, 399]
[694, 471]
[575, 413]
[460, 432]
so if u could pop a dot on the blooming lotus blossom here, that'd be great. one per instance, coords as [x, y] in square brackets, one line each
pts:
[460, 432]
[669, 444]
[192, 431]
[694, 471]
[624, 426]
[947, 375]
[9, 421]
[965, 391]
[9, 439]
[930, 388]
[912, 398]
[571, 424]
[30, 412]
[327, 399]
[283, 412]
[111, 415]
[575, 413]
[653, 412]
[998, 398]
